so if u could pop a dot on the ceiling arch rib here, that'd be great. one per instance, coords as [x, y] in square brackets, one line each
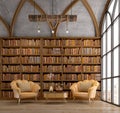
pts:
[6, 25]
[33, 3]
[87, 6]
[65, 11]
[102, 17]
[20, 5]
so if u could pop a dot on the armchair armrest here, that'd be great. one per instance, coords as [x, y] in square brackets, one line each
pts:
[92, 91]
[35, 87]
[14, 87]
[74, 88]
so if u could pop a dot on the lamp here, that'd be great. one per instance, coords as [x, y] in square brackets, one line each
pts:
[53, 19]
[67, 31]
[38, 29]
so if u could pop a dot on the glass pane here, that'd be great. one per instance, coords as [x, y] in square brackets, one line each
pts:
[104, 90]
[108, 20]
[116, 91]
[104, 25]
[116, 10]
[109, 39]
[109, 90]
[104, 67]
[116, 33]
[109, 65]
[116, 62]
[104, 43]
[111, 7]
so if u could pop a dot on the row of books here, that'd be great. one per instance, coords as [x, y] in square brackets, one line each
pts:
[81, 60]
[10, 68]
[22, 42]
[10, 77]
[72, 51]
[5, 86]
[7, 94]
[70, 42]
[36, 68]
[30, 42]
[91, 51]
[30, 51]
[17, 68]
[11, 51]
[72, 68]
[51, 77]
[52, 60]
[11, 60]
[91, 59]
[36, 59]
[70, 77]
[30, 59]
[91, 68]
[30, 68]
[91, 42]
[52, 51]
[35, 51]
[52, 42]
[15, 51]
[13, 42]
[73, 60]
[53, 68]
[80, 68]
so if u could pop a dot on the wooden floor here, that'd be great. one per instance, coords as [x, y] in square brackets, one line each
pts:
[41, 106]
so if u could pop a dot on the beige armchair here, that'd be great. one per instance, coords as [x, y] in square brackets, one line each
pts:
[23, 89]
[84, 89]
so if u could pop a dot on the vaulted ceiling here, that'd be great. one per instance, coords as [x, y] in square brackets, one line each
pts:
[14, 17]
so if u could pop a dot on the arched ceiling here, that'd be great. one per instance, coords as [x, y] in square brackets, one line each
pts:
[14, 17]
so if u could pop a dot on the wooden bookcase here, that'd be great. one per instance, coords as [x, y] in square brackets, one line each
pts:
[48, 60]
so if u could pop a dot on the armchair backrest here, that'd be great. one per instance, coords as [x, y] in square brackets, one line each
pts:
[23, 85]
[86, 84]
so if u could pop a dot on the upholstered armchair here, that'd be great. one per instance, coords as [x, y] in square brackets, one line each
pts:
[24, 89]
[84, 89]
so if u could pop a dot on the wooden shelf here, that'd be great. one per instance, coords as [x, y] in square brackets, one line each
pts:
[68, 59]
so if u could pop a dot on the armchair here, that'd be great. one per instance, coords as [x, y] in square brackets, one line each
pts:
[84, 89]
[23, 89]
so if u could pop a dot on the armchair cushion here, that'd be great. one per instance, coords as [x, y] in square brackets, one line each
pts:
[24, 86]
[84, 86]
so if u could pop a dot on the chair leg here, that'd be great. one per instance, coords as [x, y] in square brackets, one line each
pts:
[89, 100]
[35, 98]
[19, 100]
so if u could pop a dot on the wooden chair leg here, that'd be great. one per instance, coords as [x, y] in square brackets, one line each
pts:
[19, 100]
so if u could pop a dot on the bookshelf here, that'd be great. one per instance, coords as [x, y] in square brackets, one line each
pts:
[56, 61]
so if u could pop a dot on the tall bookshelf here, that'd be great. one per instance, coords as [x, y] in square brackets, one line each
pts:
[48, 61]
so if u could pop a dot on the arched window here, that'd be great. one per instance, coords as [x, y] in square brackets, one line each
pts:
[111, 54]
